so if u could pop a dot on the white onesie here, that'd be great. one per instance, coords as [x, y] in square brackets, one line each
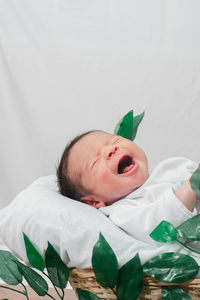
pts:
[140, 212]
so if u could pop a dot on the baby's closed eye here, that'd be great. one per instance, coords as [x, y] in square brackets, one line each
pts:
[116, 140]
[95, 161]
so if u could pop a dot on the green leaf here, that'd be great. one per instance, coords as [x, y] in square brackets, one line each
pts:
[174, 292]
[9, 272]
[195, 181]
[165, 232]
[35, 258]
[125, 125]
[130, 280]
[172, 267]
[190, 229]
[86, 295]
[36, 282]
[57, 270]
[136, 122]
[128, 125]
[104, 263]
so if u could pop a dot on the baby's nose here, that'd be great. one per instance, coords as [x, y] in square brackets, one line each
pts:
[110, 151]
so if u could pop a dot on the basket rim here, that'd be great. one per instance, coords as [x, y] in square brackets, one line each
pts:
[148, 280]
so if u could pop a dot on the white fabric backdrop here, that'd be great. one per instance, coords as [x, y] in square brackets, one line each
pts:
[67, 66]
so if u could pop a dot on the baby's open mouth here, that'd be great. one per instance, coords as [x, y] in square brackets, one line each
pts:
[125, 164]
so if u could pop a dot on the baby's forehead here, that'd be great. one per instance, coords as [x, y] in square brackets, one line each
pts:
[90, 141]
[94, 138]
[88, 144]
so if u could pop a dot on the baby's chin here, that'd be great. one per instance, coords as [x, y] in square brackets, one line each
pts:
[109, 202]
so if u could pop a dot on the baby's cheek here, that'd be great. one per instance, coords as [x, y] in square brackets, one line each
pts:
[109, 180]
[106, 175]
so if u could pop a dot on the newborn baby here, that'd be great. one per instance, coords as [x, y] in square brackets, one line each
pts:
[99, 169]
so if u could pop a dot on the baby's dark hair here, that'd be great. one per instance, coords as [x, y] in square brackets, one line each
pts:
[66, 186]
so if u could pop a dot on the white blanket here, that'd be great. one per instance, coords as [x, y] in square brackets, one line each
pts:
[70, 226]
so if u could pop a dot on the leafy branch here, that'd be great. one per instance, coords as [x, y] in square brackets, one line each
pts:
[12, 271]
[127, 282]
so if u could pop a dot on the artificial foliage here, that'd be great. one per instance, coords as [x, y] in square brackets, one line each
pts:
[173, 292]
[15, 271]
[130, 279]
[35, 258]
[171, 267]
[127, 281]
[195, 182]
[106, 273]
[128, 125]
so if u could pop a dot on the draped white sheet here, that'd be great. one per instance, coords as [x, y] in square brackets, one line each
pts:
[67, 66]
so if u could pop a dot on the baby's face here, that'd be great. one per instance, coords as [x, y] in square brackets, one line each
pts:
[108, 166]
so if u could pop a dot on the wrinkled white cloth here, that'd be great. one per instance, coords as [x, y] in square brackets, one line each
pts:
[70, 226]
[140, 212]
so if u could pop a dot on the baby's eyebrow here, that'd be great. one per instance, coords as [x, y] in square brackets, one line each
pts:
[116, 139]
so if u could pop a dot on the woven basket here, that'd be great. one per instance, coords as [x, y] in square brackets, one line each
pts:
[85, 279]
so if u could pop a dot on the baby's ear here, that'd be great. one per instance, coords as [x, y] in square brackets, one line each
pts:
[92, 202]
[99, 204]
